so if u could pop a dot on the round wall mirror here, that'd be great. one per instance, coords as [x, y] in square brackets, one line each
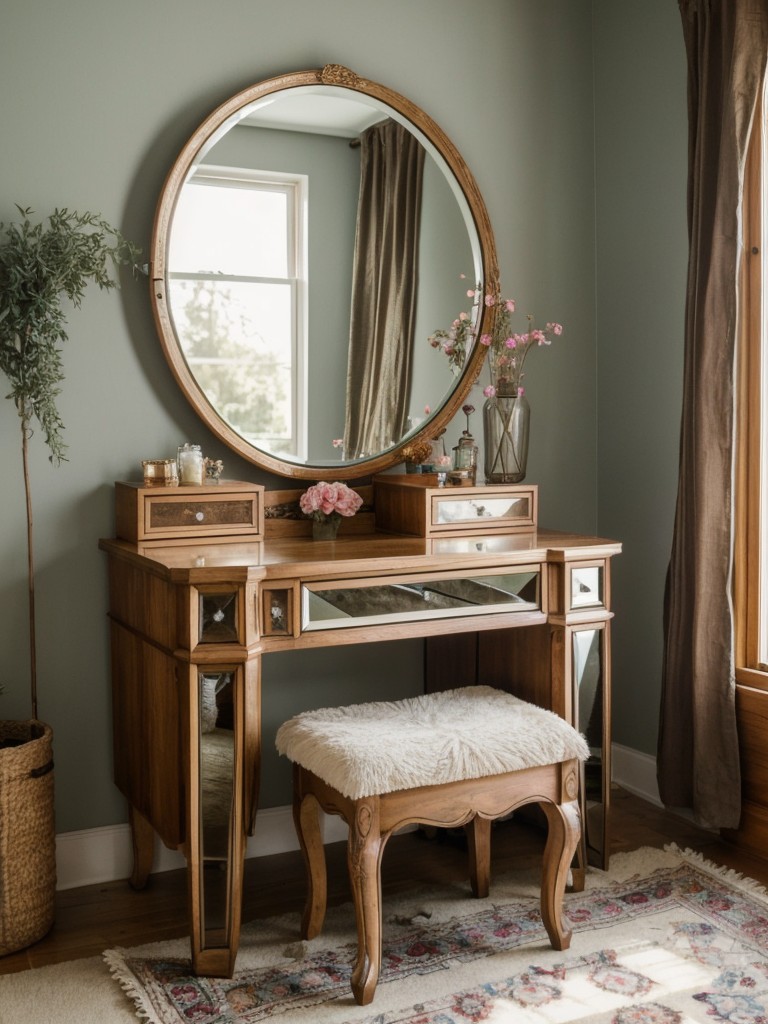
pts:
[311, 236]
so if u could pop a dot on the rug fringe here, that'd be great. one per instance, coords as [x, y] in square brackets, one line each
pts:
[730, 875]
[129, 983]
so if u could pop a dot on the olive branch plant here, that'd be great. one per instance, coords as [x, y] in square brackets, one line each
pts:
[42, 264]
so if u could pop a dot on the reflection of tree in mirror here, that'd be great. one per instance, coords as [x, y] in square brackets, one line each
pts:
[233, 364]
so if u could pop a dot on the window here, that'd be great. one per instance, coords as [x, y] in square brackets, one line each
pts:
[238, 296]
[751, 567]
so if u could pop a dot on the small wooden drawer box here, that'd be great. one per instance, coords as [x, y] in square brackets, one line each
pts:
[408, 504]
[230, 510]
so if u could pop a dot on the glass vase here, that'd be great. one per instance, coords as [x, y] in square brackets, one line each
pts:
[506, 425]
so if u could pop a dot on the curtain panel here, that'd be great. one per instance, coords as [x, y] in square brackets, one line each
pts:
[698, 757]
[385, 276]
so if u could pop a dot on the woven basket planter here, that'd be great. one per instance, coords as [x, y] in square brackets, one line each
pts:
[27, 834]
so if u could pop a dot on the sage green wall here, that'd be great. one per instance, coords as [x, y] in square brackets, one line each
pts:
[641, 169]
[98, 99]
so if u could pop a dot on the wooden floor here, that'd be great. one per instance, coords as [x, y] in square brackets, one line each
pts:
[97, 917]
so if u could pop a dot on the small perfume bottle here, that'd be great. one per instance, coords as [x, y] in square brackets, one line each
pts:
[190, 462]
[464, 472]
[465, 460]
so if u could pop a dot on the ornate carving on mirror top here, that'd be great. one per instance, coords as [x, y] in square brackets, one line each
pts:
[258, 325]
[337, 74]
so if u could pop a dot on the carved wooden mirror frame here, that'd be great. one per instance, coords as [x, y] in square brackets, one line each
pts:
[214, 126]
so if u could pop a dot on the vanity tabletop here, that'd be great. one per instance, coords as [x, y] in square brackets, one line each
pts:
[354, 555]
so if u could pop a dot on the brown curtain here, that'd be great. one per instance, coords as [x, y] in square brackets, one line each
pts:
[698, 759]
[384, 282]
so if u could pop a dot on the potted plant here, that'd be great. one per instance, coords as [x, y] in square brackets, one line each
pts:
[41, 264]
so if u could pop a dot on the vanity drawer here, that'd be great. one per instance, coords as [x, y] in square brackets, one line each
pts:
[343, 604]
[403, 504]
[229, 510]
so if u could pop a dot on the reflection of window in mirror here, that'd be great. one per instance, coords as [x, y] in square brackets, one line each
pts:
[238, 297]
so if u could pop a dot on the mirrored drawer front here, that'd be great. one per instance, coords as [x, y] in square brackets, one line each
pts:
[587, 587]
[162, 513]
[406, 599]
[482, 512]
[405, 505]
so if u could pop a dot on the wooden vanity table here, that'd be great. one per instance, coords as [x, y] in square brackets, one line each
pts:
[191, 616]
[200, 591]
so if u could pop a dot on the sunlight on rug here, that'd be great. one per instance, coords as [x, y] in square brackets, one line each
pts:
[663, 938]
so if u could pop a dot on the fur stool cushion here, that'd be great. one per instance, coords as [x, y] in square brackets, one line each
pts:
[367, 749]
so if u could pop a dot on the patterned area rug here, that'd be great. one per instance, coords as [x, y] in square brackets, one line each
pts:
[674, 942]
[662, 939]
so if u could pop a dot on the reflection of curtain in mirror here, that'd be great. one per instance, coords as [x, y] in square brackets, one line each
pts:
[384, 279]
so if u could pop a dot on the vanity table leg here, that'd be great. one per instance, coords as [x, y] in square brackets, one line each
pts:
[217, 829]
[143, 841]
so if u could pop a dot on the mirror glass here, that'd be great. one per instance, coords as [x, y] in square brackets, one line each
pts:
[408, 599]
[588, 659]
[299, 331]
[217, 771]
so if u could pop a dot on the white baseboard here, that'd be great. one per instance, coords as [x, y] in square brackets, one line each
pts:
[98, 855]
[635, 772]
[104, 854]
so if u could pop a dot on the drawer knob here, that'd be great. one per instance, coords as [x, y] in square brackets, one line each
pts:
[199, 516]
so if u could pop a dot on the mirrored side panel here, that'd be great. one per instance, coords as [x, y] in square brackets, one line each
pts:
[590, 707]
[217, 775]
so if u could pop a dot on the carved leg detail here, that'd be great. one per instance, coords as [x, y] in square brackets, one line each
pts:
[364, 855]
[307, 820]
[143, 840]
[564, 831]
[578, 879]
[479, 839]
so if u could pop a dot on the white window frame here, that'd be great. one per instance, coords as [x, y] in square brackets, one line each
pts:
[296, 188]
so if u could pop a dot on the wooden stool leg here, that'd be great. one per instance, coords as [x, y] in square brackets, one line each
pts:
[364, 856]
[479, 840]
[562, 839]
[306, 818]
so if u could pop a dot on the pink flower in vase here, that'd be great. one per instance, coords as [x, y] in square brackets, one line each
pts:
[507, 350]
[324, 499]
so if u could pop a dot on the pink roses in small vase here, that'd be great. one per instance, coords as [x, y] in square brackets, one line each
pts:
[326, 504]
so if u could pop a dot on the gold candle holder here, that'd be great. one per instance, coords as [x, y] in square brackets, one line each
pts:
[160, 473]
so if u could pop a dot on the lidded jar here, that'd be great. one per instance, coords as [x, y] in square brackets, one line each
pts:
[190, 461]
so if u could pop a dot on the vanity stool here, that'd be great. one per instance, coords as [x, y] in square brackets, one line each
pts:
[464, 756]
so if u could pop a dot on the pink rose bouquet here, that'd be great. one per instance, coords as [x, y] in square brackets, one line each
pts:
[324, 501]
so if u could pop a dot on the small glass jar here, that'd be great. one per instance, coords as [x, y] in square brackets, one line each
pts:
[190, 462]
